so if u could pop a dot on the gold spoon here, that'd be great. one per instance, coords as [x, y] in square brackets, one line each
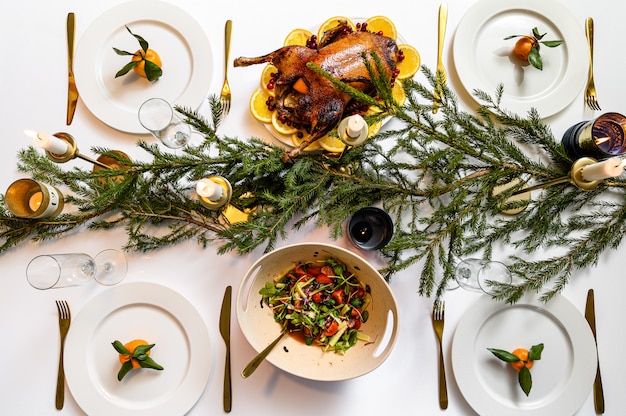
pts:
[256, 361]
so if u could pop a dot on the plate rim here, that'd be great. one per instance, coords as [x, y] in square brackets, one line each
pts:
[92, 400]
[88, 81]
[570, 85]
[572, 321]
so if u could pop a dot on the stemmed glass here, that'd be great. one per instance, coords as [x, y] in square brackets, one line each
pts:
[479, 275]
[49, 271]
[158, 117]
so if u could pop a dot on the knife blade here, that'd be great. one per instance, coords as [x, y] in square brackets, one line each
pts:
[225, 332]
[72, 91]
[590, 316]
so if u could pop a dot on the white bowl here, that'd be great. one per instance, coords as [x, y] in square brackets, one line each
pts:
[309, 361]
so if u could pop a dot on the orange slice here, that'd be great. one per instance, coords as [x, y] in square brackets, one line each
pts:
[258, 106]
[281, 127]
[297, 37]
[332, 22]
[382, 24]
[411, 62]
[310, 148]
[331, 144]
[266, 77]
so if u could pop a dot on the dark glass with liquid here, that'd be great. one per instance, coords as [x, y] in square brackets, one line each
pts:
[601, 138]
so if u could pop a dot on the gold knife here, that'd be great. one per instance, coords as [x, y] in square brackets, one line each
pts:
[72, 92]
[225, 332]
[590, 316]
[443, 22]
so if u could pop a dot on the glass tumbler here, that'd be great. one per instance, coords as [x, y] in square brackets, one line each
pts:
[158, 117]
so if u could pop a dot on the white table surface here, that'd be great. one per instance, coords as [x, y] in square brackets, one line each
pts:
[33, 88]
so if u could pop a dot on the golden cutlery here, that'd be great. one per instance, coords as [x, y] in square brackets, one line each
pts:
[72, 91]
[256, 361]
[590, 316]
[225, 95]
[438, 321]
[441, 70]
[591, 98]
[64, 326]
[225, 332]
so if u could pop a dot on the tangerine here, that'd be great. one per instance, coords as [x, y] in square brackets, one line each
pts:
[523, 46]
[141, 57]
[522, 354]
[130, 346]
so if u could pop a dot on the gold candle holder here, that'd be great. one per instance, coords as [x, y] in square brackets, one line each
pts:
[27, 198]
[351, 135]
[72, 152]
[574, 177]
[112, 163]
[224, 197]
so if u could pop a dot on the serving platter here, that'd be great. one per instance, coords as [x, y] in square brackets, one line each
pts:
[482, 56]
[178, 38]
[130, 311]
[562, 379]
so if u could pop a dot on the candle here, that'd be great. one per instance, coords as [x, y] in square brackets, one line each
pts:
[47, 142]
[608, 168]
[34, 202]
[209, 189]
[355, 126]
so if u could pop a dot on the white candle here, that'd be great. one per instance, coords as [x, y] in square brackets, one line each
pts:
[209, 189]
[356, 123]
[47, 142]
[608, 168]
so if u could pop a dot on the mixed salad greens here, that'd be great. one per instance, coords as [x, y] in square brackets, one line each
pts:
[323, 301]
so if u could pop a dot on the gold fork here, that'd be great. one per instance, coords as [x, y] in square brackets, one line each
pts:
[591, 98]
[64, 325]
[225, 95]
[441, 70]
[438, 316]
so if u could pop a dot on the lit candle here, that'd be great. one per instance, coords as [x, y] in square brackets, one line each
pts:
[47, 142]
[209, 189]
[34, 202]
[608, 168]
[355, 126]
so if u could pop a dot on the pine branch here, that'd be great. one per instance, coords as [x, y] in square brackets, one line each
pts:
[434, 175]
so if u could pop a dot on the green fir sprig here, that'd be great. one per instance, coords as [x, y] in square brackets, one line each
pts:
[435, 175]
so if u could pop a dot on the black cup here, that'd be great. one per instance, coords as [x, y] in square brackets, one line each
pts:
[370, 228]
[601, 138]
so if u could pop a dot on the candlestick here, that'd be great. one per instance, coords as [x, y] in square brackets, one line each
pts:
[353, 130]
[26, 198]
[574, 177]
[219, 185]
[47, 142]
[608, 168]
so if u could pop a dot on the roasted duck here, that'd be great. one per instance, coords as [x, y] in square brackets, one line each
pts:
[315, 104]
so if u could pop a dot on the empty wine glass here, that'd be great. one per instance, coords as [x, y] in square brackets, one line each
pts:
[49, 271]
[158, 117]
[478, 274]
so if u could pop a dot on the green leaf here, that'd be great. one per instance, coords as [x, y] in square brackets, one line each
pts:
[513, 36]
[126, 367]
[551, 43]
[535, 352]
[141, 350]
[149, 363]
[504, 355]
[126, 68]
[525, 380]
[142, 41]
[153, 71]
[122, 53]
[536, 33]
[119, 347]
[535, 59]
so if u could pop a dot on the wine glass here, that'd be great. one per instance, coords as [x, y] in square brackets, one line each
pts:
[479, 275]
[49, 271]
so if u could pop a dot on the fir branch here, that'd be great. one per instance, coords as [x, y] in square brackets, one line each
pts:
[434, 175]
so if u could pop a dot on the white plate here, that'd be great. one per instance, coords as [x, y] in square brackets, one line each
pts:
[173, 33]
[482, 60]
[562, 379]
[309, 361]
[126, 312]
